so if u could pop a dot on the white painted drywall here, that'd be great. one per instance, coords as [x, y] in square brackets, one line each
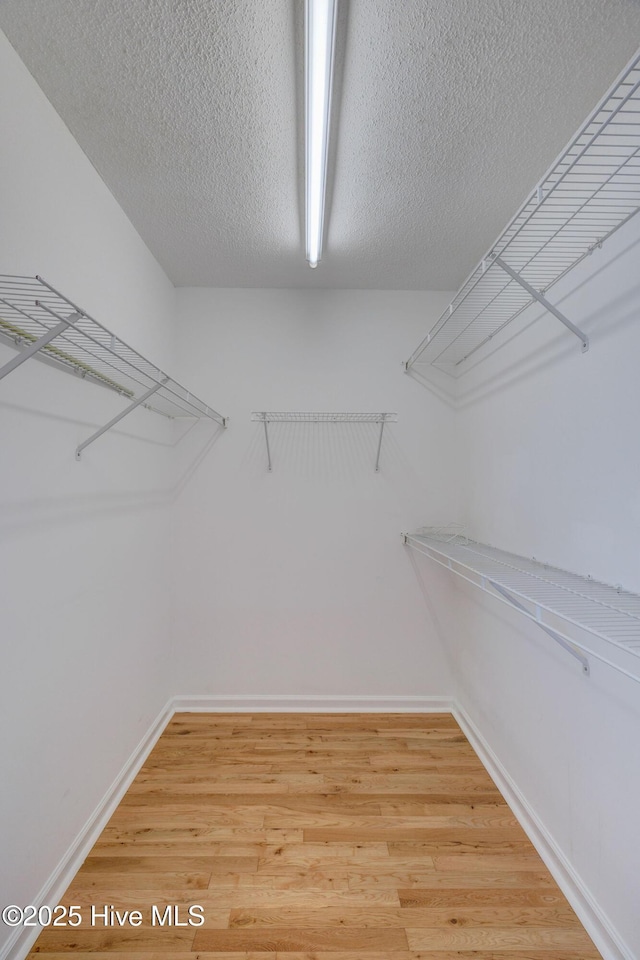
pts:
[296, 581]
[84, 638]
[550, 460]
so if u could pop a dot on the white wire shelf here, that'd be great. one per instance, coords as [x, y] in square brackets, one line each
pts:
[589, 193]
[41, 322]
[545, 594]
[267, 417]
[279, 417]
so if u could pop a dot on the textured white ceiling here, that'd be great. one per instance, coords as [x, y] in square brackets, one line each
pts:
[449, 112]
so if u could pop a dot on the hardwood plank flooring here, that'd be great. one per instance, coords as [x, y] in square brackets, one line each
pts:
[316, 837]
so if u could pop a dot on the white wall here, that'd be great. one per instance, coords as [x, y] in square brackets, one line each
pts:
[551, 465]
[84, 639]
[296, 582]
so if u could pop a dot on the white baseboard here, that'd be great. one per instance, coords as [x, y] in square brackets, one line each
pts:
[310, 704]
[595, 922]
[19, 945]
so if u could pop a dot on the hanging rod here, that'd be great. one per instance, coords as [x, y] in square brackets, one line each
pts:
[588, 194]
[267, 417]
[45, 324]
[539, 591]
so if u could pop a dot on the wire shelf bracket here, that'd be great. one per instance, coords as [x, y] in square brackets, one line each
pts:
[120, 416]
[266, 417]
[536, 295]
[552, 598]
[589, 193]
[511, 600]
[42, 323]
[37, 345]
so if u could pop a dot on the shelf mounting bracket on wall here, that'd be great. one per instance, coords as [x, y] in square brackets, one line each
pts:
[42, 342]
[269, 417]
[266, 437]
[551, 633]
[120, 416]
[382, 423]
[584, 339]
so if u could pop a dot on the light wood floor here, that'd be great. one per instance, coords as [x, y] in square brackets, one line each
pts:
[332, 837]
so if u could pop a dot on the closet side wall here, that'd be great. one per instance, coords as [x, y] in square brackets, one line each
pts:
[82, 545]
[550, 458]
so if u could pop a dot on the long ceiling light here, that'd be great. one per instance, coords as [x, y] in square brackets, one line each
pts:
[320, 33]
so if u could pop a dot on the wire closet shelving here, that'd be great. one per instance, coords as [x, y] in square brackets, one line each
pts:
[589, 193]
[553, 598]
[267, 417]
[41, 322]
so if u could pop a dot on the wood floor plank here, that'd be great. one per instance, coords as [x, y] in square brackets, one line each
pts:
[471, 862]
[194, 848]
[398, 875]
[287, 939]
[144, 864]
[293, 879]
[461, 839]
[393, 834]
[436, 804]
[343, 866]
[374, 915]
[303, 853]
[141, 835]
[326, 836]
[98, 941]
[501, 938]
[454, 898]
[267, 804]
[127, 880]
[222, 896]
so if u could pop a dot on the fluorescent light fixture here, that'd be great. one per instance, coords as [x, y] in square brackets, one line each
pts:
[320, 33]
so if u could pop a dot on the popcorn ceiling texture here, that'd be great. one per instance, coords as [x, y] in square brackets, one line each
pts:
[449, 114]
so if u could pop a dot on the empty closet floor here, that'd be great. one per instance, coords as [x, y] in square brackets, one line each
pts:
[331, 837]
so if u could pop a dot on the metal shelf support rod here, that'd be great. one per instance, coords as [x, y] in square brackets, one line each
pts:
[379, 446]
[543, 300]
[266, 437]
[38, 344]
[120, 416]
[552, 633]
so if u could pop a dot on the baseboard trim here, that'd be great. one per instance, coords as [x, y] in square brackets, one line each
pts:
[595, 922]
[311, 703]
[19, 945]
